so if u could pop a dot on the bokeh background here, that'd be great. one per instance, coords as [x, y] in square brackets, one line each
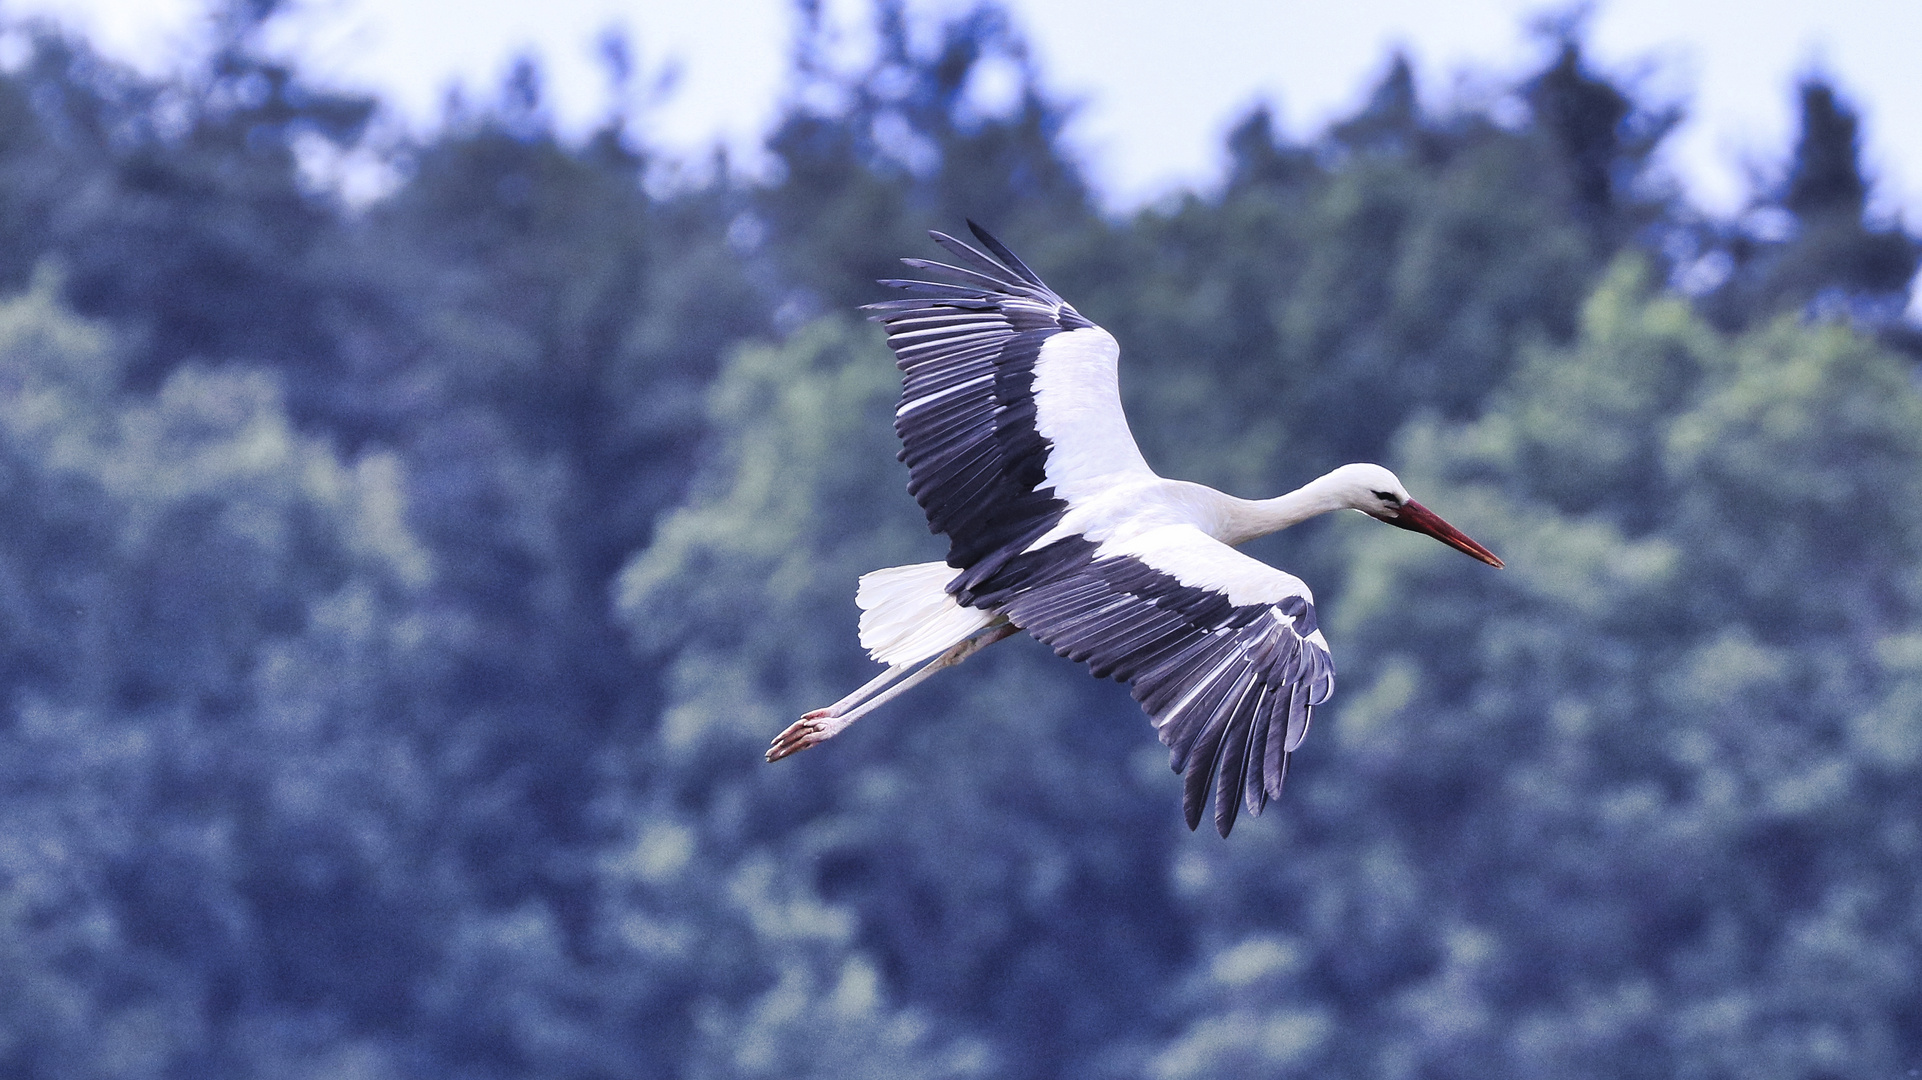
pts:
[412, 531]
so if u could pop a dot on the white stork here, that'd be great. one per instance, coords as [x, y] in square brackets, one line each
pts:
[1016, 446]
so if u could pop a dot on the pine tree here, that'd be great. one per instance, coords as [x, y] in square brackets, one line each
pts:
[1836, 260]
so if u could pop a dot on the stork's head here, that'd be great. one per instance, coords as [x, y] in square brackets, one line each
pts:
[1377, 492]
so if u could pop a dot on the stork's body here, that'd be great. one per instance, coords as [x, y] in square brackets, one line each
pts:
[1018, 450]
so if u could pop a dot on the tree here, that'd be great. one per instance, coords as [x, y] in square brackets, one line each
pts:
[1596, 815]
[1835, 259]
[871, 158]
[213, 717]
[179, 208]
[395, 600]
[1332, 291]
[971, 834]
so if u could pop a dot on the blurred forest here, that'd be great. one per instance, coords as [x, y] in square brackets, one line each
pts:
[395, 599]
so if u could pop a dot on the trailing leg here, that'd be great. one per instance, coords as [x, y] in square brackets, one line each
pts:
[823, 724]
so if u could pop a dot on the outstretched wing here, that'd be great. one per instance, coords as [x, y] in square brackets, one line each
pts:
[1009, 403]
[1011, 412]
[1220, 649]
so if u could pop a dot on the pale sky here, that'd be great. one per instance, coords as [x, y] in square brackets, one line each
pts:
[1159, 82]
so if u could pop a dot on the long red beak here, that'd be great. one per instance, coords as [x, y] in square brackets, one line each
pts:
[1418, 518]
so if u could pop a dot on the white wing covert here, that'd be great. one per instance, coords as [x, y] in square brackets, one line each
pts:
[987, 461]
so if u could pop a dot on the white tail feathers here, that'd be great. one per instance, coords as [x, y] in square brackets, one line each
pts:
[907, 615]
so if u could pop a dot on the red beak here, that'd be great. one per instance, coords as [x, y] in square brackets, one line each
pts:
[1418, 518]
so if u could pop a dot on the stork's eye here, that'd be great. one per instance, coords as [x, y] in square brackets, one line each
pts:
[1387, 498]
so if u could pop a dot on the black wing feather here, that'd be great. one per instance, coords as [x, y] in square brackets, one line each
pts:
[1001, 252]
[1229, 687]
[967, 350]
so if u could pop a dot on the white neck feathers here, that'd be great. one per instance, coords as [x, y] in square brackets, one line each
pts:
[1243, 520]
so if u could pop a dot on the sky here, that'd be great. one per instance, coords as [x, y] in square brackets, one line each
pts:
[1158, 84]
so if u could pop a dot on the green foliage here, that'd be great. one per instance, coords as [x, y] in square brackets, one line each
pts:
[186, 788]
[1333, 292]
[782, 522]
[904, 147]
[1649, 730]
[746, 598]
[1835, 260]
[395, 601]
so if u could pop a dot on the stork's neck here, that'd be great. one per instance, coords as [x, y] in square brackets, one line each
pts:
[1243, 520]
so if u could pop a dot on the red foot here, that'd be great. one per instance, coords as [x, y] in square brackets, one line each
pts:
[802, 734]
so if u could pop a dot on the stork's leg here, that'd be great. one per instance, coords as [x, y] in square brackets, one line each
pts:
[960, 651]
[872, 687]
[824, 724]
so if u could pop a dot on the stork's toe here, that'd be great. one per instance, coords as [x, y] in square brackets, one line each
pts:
[801, 734]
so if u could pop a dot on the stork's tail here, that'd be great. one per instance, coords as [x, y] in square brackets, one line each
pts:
[907, 615]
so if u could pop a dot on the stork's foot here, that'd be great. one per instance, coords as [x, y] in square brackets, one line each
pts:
[815, 727]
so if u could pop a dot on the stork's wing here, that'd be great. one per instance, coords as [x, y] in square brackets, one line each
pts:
[1009, 402]
[1220, 649]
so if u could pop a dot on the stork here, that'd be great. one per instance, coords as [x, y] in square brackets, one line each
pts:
[1017, 449]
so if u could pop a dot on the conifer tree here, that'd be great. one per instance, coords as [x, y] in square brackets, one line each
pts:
[1833, 260]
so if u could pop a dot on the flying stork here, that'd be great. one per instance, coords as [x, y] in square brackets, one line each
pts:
[1016, 446]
